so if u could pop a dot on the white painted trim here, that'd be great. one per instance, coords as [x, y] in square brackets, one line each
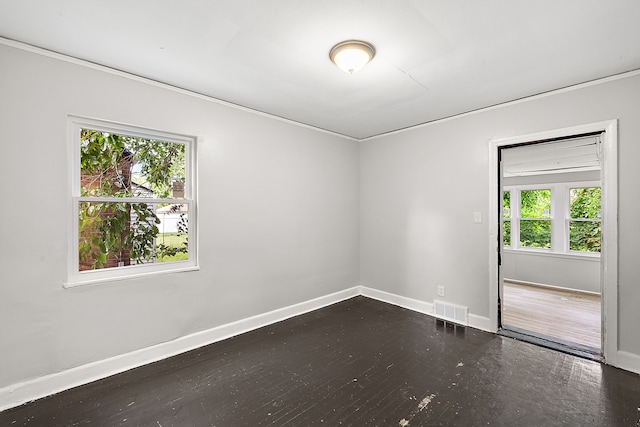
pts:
[629, 361]
[556, 133]
[581, 256]
[551, 287]
[404, 302]
[480, 322]
[609, 255]
[494, 218]
[173, 268]
[119, 73]
[36, 388]
[475, 321]
[47, 385]
[75, 277]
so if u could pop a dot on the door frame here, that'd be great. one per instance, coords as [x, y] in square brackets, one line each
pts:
[609, 246]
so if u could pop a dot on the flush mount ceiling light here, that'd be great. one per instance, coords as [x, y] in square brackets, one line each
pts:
[352, 55]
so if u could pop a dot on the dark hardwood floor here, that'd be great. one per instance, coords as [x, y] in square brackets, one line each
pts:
[357, 363]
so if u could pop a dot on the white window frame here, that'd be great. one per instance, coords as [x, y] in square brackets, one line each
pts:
[516, 217]
[75, 277]
[560, 217]
[568, 219]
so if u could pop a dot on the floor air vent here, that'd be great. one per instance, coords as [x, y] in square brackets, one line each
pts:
[451, 312]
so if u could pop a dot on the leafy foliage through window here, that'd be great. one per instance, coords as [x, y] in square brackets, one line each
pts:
[532, 223]
[506, 218]
[535, 214]
[131, 198]
[585, 227]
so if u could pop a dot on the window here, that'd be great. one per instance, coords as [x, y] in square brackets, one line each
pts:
[535, 218]
[133, 205]
[506, 218]
[584, 222]
[561, 218]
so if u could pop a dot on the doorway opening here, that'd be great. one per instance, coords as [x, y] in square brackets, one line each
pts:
[554, 215]
[551, 228]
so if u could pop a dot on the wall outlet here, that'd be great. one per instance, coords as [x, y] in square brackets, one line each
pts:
[440, 291]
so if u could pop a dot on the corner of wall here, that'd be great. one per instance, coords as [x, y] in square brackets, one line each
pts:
[17, 394]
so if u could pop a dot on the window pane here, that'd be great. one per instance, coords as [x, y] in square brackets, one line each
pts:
[585, 202]
[535, 233]
[584, 236]
[506, 233]
[118, 234]
[126, 166]
[535, 204]
[173, 236]
[506, 204]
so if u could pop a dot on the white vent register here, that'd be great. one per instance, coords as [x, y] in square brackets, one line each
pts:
[451, 312]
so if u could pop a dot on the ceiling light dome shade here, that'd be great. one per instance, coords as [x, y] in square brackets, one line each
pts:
[352, 55]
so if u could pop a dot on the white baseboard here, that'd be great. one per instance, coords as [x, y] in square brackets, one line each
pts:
[628, 361]
[475, 321]
[47, 385]
[481, 322]
[545, 286]
[400, 301]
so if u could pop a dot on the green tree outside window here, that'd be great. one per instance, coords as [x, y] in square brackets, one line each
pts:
[585, 231]
[506, 218]
[119, 166]
[535, 214]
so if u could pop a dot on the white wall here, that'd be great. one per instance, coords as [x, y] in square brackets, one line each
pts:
[278, 212]
[572, 272]
[420, 189]
[281, 211]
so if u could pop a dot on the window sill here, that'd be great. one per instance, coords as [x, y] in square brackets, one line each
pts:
[97, 281]
[582, 256]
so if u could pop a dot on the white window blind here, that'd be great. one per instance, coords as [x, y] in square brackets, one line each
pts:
[567, 155]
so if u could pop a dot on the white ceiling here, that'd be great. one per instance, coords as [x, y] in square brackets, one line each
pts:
[435, 58]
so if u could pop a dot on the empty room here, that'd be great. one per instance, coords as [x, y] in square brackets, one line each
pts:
[297, 213]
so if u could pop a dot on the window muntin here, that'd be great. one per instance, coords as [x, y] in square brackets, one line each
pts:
[133, 208]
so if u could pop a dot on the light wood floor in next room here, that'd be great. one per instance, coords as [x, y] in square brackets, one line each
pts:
[567, 315]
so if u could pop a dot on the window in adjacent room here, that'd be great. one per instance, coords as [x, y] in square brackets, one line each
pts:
[133, 201]
[584, 222]
[506, 218]
[535, 218]
[532, 213]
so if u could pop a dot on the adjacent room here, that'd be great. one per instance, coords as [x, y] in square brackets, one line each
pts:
[241, 213]
[551, 282]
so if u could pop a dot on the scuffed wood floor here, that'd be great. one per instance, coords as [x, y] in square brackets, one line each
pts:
[569, 316]
[357, 363]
